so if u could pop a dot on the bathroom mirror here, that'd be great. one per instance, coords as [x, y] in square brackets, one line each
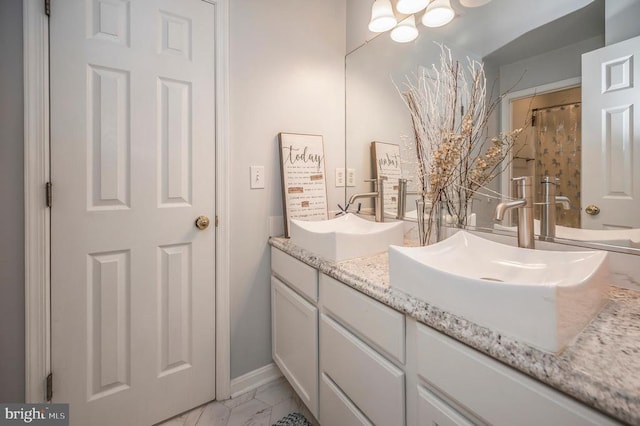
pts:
[526, 51]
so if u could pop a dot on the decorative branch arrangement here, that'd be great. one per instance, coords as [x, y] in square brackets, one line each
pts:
[455, 157]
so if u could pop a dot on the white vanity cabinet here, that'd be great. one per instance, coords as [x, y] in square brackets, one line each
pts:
[342, 352]
[483, 390]
[361, 341]
[355, 361]
[294, 325]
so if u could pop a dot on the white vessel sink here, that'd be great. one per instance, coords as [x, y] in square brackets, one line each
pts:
[543, 298]
[618, 237]
[345, 237]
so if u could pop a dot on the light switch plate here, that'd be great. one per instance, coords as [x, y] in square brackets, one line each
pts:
[340, 177]
[257, 177]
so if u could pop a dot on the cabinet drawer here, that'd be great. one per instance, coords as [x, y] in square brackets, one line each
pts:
[493, 391]
[294, 330]
[297, 274]
[373, 320]
[335, 407]
[433, 411]
[371, 382]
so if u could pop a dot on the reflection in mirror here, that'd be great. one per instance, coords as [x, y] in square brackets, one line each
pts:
[551, 146]
[527, 55]
[385, 158]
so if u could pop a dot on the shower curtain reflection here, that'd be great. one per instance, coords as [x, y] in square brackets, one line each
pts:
[558, 154]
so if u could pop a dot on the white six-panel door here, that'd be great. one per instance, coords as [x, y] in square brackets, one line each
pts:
[132, 146]
[611, 136]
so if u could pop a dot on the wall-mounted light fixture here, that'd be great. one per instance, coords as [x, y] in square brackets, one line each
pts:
[409, 7]
[474, 3]
[382, 17]
[438, 13]
[405, 31]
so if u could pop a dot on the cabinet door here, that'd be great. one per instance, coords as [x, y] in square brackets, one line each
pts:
[491, 390]
[433, 412]
[294, 328]
[373, 384]
[336, 408]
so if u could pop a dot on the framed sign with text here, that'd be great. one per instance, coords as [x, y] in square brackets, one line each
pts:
[304, 184]
[386, 162]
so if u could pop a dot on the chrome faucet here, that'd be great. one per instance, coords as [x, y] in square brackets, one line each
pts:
[377, 195]
[548, 211]
[524, 204]
[402, 198]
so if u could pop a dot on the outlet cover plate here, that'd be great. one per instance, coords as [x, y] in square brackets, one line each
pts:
[340, 177]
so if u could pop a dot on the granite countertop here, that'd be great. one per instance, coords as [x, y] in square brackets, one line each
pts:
[601, 366]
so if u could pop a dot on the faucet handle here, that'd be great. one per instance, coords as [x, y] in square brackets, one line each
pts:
[377, 182]
[526, 179]
[524, 187]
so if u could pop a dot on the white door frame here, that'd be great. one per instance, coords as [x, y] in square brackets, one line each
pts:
[505, 120]
[37, 215]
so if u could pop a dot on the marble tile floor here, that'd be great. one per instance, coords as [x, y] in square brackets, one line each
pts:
[263, 406]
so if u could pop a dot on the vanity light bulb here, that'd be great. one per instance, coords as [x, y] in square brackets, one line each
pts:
[474, 3]
[439, 13]
[405, 31]
[409, 7]
[382, 17]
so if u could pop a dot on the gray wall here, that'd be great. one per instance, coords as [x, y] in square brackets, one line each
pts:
[286, 75]
[12, 204]
[549, 67]
[621, 20]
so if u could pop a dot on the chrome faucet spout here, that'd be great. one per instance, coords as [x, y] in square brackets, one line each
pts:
[502, 208]
[377, 194]
[564, 202]
[355, 197]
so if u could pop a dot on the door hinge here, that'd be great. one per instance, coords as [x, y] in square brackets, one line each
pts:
[216, 221]
[49, 386]
[47, 7]
[48, 194]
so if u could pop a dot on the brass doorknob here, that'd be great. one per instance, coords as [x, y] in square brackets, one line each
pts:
[202, 222]
[592, 209]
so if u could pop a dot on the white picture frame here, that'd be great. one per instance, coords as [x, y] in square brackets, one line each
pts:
[304, 183]
[386, 162]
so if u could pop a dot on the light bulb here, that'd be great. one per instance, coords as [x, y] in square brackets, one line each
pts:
[474, 3]
[405, 31]
[438, 13]
[409, 7]
[382, 17]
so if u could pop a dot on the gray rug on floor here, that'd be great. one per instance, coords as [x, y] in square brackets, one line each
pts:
[293, 419]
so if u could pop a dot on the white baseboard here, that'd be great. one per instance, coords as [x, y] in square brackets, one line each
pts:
[254, 379]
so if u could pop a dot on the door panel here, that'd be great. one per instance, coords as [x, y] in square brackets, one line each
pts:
[132, 146]
[611, 136]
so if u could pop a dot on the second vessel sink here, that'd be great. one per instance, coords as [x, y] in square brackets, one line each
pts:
[617, 237]
[345, 237]
[543, 298]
